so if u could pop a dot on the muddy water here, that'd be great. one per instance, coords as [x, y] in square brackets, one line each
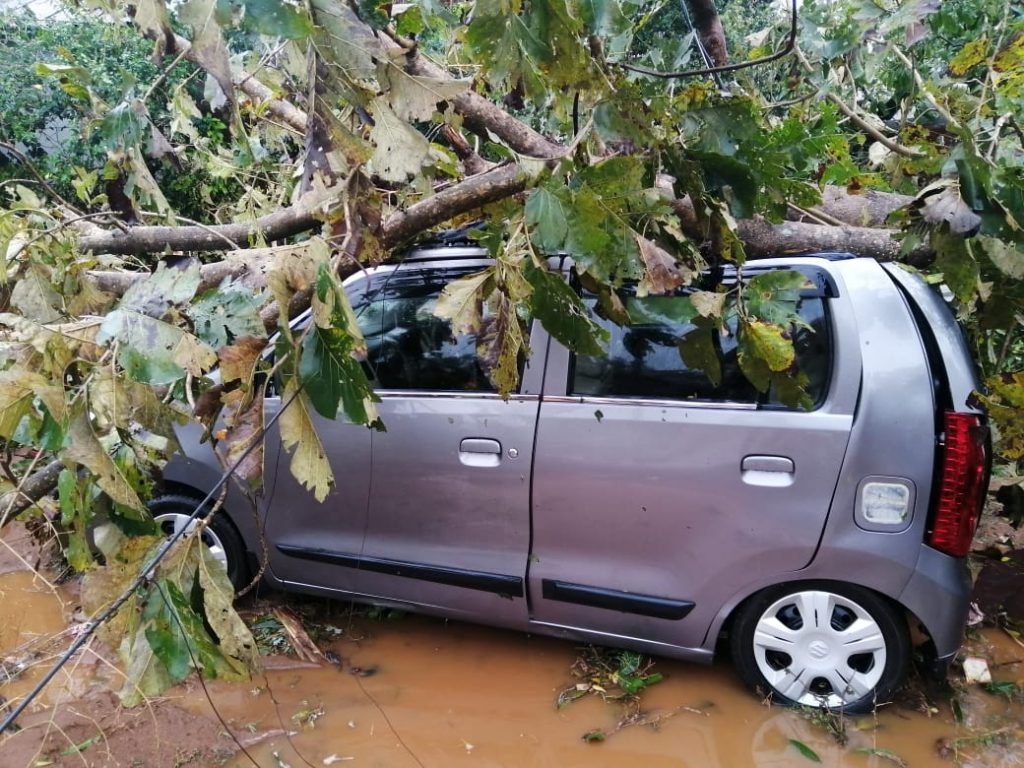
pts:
[447, 694]
[422, 692]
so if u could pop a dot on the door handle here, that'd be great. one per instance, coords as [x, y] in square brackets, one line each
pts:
[480, 452]
[767, 464]
[767, 471]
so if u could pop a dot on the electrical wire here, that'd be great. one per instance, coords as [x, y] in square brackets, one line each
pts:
[110, 610]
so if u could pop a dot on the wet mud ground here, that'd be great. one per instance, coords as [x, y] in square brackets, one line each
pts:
[416, 691]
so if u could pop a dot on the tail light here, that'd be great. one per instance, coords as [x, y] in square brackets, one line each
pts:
[964, 465]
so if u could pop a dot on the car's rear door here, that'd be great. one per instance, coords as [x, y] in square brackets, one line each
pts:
[448, 520]
[658, 493]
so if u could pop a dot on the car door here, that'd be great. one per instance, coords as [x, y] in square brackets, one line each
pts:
[448, 521]
[659, 493]
[310, 543]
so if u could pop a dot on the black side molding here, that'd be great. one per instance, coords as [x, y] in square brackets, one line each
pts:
[615, 600]
[498, 583]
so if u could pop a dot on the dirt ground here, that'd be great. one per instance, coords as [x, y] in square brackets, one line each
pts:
[90, 728]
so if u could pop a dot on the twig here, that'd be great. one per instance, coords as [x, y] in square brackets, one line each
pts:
[943, 111]
[859, 121]
[24, 160]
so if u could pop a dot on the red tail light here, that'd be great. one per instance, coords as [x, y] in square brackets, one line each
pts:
[962, 488]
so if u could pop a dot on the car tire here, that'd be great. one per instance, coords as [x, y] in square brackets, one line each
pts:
[821, 644]
[173, 510]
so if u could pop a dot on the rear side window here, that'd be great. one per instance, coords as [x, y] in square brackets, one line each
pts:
[646, 359]
[408, 347]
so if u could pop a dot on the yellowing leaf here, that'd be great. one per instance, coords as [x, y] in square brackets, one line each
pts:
[768, 344]
[414, 98]
[84, 448]
[461, 301]
[400, 149]
[244, 419]
[238, 361]
[970, 56]
[661, 273]
[218, 603]
[194, 356]
[17, 391]
[309, 464]
[708, 303]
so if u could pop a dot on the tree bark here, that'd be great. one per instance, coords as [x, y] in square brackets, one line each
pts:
[39, 484]
[709, 30]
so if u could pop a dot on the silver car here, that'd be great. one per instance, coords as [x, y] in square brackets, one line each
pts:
[627, 499]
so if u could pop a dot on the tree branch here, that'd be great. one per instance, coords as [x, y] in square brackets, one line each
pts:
[709, 30]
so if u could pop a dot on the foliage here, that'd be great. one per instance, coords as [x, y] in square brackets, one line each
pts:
[335, 110]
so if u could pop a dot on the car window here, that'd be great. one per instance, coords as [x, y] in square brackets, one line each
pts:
[408, 347]
[645, 359]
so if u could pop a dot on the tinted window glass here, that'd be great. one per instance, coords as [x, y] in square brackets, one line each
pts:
[408, 347]
[645, 358]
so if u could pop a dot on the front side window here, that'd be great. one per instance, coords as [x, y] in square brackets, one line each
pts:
[408, 347]
[665, 351]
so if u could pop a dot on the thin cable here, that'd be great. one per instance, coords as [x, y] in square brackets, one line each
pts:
[199, 673]
[110, 610]
[790, 47]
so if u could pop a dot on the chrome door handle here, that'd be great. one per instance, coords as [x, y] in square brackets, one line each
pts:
[480, 452]
[767, 464]
[479, 445]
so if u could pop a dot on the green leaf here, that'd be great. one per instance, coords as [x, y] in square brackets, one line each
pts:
[954, 260]
[774, 296]
[563, 313]
[151, 350]
[331, 350]
[697, 350]
[124, 125]
[806, 751]
[227, 313]
[545, 213]
[277, 19]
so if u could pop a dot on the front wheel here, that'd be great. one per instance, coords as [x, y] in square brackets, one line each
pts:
[173, 511]
[821, 644]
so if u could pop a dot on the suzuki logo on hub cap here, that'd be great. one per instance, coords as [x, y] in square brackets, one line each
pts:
[818, 649]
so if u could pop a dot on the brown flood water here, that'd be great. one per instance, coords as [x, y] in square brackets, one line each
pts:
[431, 693]
[453, 694]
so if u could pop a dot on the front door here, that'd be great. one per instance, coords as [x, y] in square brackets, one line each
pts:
[448, 523]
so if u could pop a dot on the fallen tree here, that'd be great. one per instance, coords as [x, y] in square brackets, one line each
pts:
[345, 134]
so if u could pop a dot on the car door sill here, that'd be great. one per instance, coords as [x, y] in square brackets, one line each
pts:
[498, 583]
